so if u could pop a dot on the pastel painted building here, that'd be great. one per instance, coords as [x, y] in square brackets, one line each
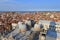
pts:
[57, 26]
[53, 29]
[52, 35]
[45, 24]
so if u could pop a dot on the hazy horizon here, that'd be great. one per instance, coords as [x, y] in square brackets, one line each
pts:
[29, 5]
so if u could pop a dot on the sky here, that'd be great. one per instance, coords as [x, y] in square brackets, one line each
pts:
[29, 5]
